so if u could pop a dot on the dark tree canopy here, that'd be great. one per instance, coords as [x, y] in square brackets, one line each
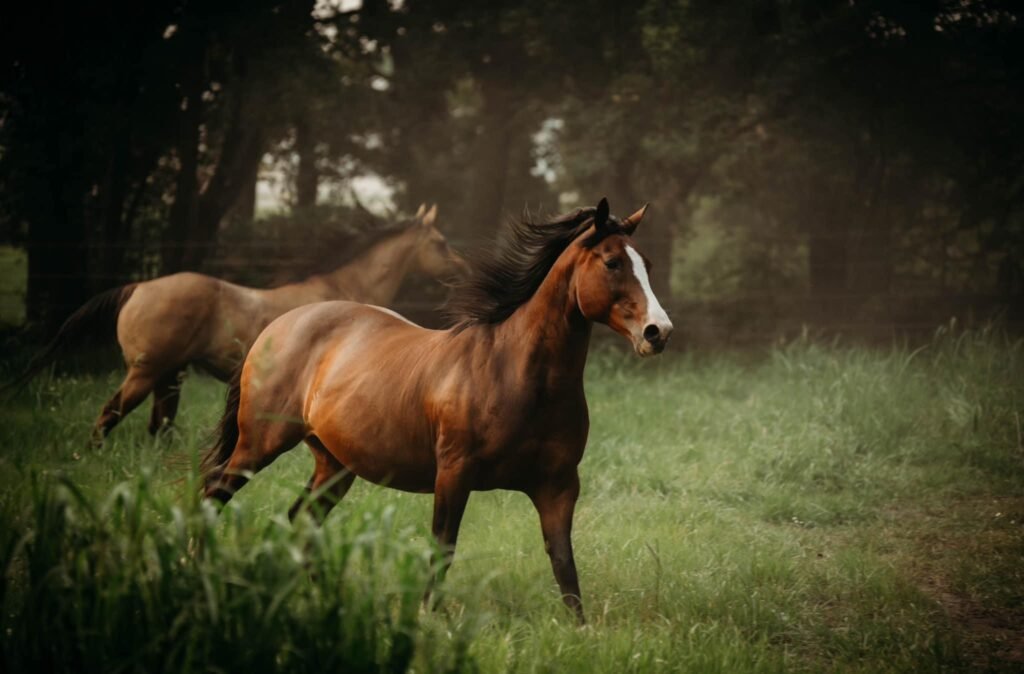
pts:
[846, 162]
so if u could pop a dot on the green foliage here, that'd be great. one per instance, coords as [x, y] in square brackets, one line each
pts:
[136, 582]
[13, 276]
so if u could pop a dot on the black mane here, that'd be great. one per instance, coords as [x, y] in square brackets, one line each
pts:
[506, 277]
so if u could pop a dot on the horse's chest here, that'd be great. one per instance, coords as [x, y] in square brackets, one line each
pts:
[514, 451]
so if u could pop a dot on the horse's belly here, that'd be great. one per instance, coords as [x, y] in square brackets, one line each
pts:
[385, 461]
[419, 480]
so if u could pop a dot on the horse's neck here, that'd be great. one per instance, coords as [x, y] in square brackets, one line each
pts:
[549, 332]
[373, 278]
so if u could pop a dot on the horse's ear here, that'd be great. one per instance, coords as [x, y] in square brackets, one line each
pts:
[430, 216]
[630, 223]
[601, 216]
[421, 210]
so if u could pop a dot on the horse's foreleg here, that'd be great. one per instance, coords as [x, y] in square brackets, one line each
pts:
[134, 389]
[330, 482]
[555, 504]
[166, 396]
[451, 493]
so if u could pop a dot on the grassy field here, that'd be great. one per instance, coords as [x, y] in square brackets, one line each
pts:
[13, 284]
[809, 508]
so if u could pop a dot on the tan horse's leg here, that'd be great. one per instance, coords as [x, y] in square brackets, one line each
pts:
[451, 493]
[166, 396]
[330, 476]
[134, 389]
[259, 443]
[555, 504]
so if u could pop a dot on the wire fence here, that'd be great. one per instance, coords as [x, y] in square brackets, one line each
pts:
[742, 318]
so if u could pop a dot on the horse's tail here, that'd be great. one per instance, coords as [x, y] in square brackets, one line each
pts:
[95, 316]
[216, 457]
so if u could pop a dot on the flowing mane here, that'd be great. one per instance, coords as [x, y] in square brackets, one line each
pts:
[505, 277]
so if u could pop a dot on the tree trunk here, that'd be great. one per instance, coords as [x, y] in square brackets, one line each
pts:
[236, 170]
[245, 209]
[185, 210]
[55, 190]
[307, 177]
[871, 249]
[111, 253]
[494, 150]
[827, 260]
[58, 279]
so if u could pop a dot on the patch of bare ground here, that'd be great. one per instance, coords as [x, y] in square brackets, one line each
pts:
[967, 555]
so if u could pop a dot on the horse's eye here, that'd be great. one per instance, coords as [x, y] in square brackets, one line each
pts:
[614, 263]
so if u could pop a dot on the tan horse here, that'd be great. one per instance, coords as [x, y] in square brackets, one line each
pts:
[496, 402]
[171, 322]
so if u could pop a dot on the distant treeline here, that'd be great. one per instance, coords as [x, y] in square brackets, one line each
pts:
[850, 155]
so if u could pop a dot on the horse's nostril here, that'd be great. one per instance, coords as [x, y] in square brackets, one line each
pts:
[652, 333]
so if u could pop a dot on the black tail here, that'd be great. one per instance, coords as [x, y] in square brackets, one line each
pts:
[216, 457]
[97, 315]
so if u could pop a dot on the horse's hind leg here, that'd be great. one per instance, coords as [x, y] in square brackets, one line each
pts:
[258, 445]
[166, 396]
[134, 389]
[330, 482]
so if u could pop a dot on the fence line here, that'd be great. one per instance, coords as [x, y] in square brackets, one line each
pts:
[752, 316]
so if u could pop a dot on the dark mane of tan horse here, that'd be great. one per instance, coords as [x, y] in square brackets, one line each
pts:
[495, 402]
[338, 247]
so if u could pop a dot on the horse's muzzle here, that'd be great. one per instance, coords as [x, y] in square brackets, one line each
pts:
[655, 337]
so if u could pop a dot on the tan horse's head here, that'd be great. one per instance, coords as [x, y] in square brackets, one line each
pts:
[433, 256]
[612, 284]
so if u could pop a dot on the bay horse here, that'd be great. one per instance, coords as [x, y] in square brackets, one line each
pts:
[168, 323]
[494, 402]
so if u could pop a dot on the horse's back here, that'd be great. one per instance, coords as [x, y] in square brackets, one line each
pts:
[334, 328]
[160, 319]
[187, 317]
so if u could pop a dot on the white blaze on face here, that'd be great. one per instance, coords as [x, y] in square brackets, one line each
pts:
[655, 314]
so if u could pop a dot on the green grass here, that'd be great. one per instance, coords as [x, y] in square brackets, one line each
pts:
[13, 285]
[813, 508]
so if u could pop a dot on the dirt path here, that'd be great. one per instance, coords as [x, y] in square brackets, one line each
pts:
[968, 556]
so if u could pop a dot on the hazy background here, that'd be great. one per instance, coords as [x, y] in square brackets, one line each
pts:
[849, 166]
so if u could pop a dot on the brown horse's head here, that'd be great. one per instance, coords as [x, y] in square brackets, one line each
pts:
[612, 284]
[433, 256]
